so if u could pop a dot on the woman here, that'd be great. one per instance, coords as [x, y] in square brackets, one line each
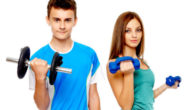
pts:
[132, 88]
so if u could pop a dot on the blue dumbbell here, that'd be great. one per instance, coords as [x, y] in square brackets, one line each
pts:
[178, 78]
[170, 81]
[115, 66]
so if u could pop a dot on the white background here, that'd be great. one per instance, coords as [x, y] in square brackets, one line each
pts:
[169, 50]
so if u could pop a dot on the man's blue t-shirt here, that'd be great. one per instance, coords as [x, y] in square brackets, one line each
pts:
[70, 91]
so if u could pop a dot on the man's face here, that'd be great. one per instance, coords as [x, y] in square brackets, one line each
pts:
[61, 22]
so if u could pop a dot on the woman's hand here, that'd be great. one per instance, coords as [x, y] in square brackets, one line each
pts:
[126, 66]
[175, 86]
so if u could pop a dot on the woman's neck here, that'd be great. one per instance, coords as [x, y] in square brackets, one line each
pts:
[128, 51]
[62, 46]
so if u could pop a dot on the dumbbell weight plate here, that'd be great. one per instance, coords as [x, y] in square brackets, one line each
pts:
[115, 66]
[56, 61]
[22, 67]
[136, 64]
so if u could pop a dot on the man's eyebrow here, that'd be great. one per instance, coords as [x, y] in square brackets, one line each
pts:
[55, 18]
[68, 18]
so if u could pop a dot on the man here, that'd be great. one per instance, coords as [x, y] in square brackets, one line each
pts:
[76, 91]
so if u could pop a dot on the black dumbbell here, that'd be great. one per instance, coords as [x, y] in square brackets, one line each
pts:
[23, 63]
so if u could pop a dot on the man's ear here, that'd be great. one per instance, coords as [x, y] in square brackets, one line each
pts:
[75, 21]
[47, 20]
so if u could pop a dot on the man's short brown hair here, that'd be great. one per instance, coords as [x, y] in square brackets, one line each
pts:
[64, 4]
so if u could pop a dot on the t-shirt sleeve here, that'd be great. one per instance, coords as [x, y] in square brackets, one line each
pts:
[96, 70]
[31, 74]
[31, 79]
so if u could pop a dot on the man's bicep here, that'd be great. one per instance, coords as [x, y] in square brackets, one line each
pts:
[94, 101]
[93, 87]
[93, 92]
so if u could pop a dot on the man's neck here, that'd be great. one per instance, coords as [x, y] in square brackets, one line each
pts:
[62, 46]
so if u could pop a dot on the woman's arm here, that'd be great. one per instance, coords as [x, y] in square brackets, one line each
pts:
[162, 88]
[123, 84]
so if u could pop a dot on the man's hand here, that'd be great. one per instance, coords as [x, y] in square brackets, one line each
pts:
[40, 68]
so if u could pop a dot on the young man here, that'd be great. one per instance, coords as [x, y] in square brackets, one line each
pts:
[76, 91]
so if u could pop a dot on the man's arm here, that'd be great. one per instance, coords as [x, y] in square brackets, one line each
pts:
[41, 95]
[94, 101]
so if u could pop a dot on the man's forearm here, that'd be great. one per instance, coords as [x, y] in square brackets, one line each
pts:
[41, 95]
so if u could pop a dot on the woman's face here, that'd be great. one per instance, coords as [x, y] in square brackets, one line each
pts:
[133, 33]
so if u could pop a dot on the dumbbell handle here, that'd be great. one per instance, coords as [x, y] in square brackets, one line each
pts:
[59, 69]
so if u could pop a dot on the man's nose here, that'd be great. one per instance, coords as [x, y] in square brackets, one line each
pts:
[62, 25]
